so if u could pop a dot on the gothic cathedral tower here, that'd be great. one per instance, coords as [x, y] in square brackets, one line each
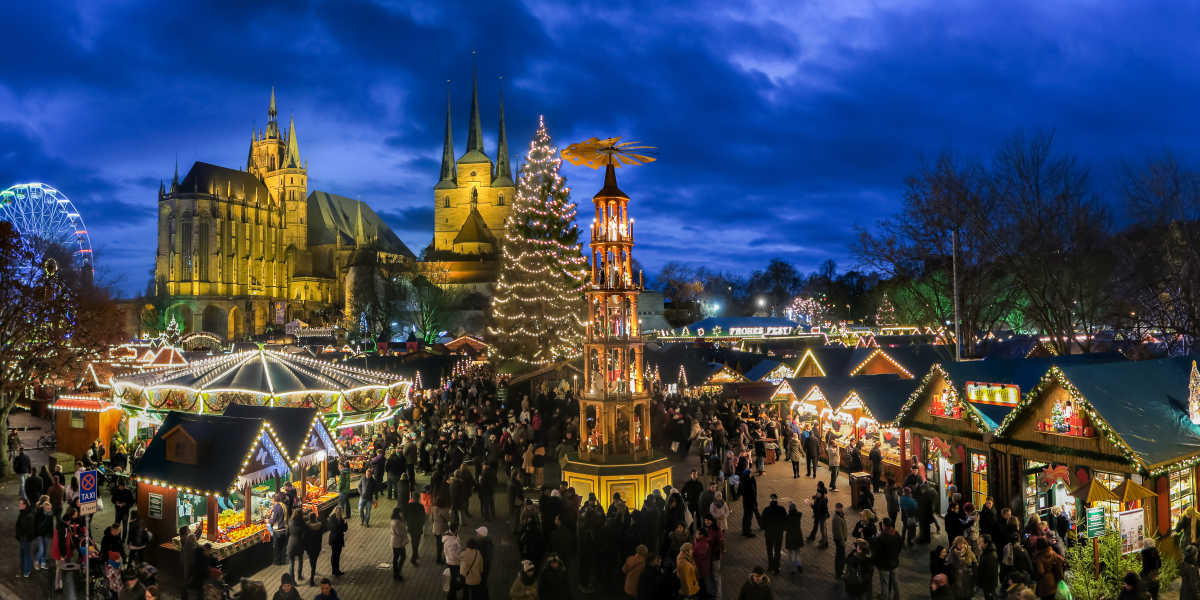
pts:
[473, 194]
[275, 160]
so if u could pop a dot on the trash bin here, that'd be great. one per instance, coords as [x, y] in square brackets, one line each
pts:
[860, 488]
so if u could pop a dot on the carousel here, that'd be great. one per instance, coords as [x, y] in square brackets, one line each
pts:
[343, 395]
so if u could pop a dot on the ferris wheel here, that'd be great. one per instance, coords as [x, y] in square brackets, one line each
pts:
[42, 212]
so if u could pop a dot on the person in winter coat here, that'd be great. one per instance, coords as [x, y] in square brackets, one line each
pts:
[470, 565]
[43, 517]
[891, 497]
[337, 540]
[655, 583]
[1047, 570]
[314, 532]
[794, 532]
[633, 567]
[714, 539]
[554, 582]
[685, 569]
[820, 514]
[287, 589]
[749, 493]
[939, 588]
[835, 461]
[525, 586]
[876, 459]
[795, 454]
[962, 562]
[1189, 573]
[1151, 563]
[26, 533]
[858, 572]
[987, 575]
[399, 541]
[414, 520]
[839, 540]
[295, 546]
[774, 522]
[1131, 588]
[719, 509]
[757, 587]
[885, 553]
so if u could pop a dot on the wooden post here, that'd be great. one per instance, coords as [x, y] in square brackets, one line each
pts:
[325, 475]
[303, 482]
[211, 531]
[1096, 555]
[246, 498]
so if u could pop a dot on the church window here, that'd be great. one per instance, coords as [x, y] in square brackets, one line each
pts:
[445, 201]
[472, 173]
[500, 200]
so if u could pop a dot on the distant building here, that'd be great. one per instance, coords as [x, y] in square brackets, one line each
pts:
[241, 249]
[472, 199]
[651, 313]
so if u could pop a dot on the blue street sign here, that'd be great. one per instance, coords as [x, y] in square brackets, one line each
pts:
[88, 485]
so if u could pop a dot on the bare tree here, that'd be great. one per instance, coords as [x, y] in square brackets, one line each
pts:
[913, 249]
[1053, 236]
[1159, 275]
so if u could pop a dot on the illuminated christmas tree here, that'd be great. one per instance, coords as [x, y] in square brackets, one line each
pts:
[885, 314]
[537, 312]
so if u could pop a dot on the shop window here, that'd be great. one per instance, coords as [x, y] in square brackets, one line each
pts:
[1182, 487]
[77, 421]
[1110, 481]
[944, 405]
[1066, 419]
[979, 478]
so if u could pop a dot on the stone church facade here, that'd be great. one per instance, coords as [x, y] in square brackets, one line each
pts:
[240, 250]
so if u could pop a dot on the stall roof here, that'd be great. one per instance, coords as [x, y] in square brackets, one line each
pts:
[836, 389]
[668, 360]
[1145, 403]
[222, 447]
[882, 395]
[762, 369]
[293, 426]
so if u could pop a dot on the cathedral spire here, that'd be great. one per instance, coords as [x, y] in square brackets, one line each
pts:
[448, 178]
[358, 226]
[175, 179]
[272, 121]
[475, 127]
[503, 175]
[292, 161]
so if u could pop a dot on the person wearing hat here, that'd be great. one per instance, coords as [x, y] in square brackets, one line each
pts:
[757, 587]
[774, 521]
[131, 588]
[859, 571]
[287, 588]
[525, 586]
[471, 569]
[487, 549]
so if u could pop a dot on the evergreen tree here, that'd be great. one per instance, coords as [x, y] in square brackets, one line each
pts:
[537, 312]
[886, 313]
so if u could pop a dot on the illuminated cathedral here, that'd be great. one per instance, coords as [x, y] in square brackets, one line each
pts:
[242, 249]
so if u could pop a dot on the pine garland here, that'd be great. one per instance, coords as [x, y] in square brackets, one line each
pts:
[537, 312]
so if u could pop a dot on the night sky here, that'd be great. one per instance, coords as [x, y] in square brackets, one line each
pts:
[780, 126]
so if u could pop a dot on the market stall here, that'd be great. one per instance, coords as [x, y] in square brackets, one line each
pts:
[867, 414]
[307, 445]
[82, 419]
[1122, 424]
[210, 473]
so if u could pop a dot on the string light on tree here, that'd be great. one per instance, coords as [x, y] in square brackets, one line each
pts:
[536, 314]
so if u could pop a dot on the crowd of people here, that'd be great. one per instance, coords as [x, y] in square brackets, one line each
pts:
[470, 446]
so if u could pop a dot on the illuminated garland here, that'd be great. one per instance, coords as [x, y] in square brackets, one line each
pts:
[536, 313]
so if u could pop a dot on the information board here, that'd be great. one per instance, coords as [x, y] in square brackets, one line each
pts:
[1132, 524]
[1095, 522]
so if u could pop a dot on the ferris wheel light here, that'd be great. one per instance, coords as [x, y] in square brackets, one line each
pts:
[38, 210]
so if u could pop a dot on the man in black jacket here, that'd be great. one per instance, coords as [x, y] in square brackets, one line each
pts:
[414, 518]
[394, 467]
[885, 553]
[691, 494]
[812, 451]
[749, 493]
[774, 520]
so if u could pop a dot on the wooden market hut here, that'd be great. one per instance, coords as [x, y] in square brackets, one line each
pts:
[1128, 424]
[306, 441]
[202, 457]
[82, 419]
[867, 413]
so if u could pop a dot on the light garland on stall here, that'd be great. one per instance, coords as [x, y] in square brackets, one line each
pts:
[878, 352]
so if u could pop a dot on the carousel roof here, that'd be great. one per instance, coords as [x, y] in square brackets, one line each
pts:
[262, 371]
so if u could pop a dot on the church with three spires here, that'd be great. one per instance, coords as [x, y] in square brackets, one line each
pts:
[242, 249]
[472, 199]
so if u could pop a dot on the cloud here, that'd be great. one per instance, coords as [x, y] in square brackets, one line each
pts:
[779, 125]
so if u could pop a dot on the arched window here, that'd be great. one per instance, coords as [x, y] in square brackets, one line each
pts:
[500, 200]
[445, 201]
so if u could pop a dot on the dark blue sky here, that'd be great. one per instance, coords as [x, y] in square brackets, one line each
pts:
[781, 126]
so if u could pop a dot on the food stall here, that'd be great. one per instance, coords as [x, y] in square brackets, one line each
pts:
[1124, 424]
[867, 414]
[307, 445]
[209, 472]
